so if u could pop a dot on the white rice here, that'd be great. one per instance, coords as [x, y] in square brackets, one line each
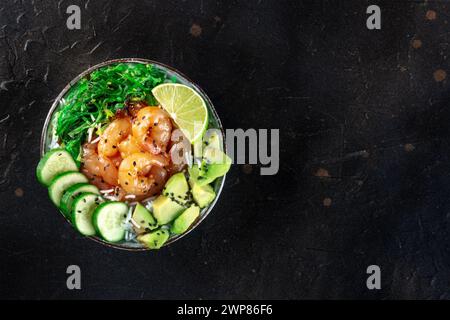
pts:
[90, 131]
[107, 191]
[134, 223]
[112, 198]
[95, 140]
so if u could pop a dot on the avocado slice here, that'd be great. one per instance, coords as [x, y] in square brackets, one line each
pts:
[203, 195]
[194, 175]
[142, 220]
[154, 239]
[177, 189]
[165, 210]
[215, 164]
[184, 221]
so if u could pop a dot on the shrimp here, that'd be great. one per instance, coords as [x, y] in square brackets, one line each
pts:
[136, 175]
[98, 166]
[160, 175]
[134, 107]
[152, 128]
[116, 131]
[117, 159]
[129, 146]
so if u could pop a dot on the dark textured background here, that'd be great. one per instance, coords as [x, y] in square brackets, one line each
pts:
[364, 123]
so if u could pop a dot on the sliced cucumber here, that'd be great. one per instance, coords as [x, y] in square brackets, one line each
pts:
[108, 220]
[83, 208]
[54, 162]
[71, 193]
[62, 182]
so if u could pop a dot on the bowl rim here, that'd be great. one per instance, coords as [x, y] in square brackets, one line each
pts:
[211, 108]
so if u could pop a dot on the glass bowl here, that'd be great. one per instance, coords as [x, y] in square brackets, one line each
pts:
[47, 142]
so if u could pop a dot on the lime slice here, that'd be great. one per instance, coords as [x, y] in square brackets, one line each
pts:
[186, 107]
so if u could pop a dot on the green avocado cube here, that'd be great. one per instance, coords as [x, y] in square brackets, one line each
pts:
[215, 164]
[177, 189]
[185, 220]
[203, 195]
[165, 210]
[154, 239]
[142, 220]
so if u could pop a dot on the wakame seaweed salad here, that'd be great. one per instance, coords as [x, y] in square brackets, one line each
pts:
[94, 100]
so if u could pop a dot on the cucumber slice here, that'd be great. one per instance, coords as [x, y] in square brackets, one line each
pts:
[54, 162]
[71, 193]
[108, 220]
[83, 208]
[62, 182]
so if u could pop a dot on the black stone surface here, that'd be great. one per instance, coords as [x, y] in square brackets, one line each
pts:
[365, 147]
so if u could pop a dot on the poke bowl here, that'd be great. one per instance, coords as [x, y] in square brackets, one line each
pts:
[133, 154]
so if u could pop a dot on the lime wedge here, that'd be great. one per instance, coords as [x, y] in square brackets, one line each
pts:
[186, 107]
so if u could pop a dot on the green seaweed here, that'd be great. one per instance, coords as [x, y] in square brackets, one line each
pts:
[95, 99]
